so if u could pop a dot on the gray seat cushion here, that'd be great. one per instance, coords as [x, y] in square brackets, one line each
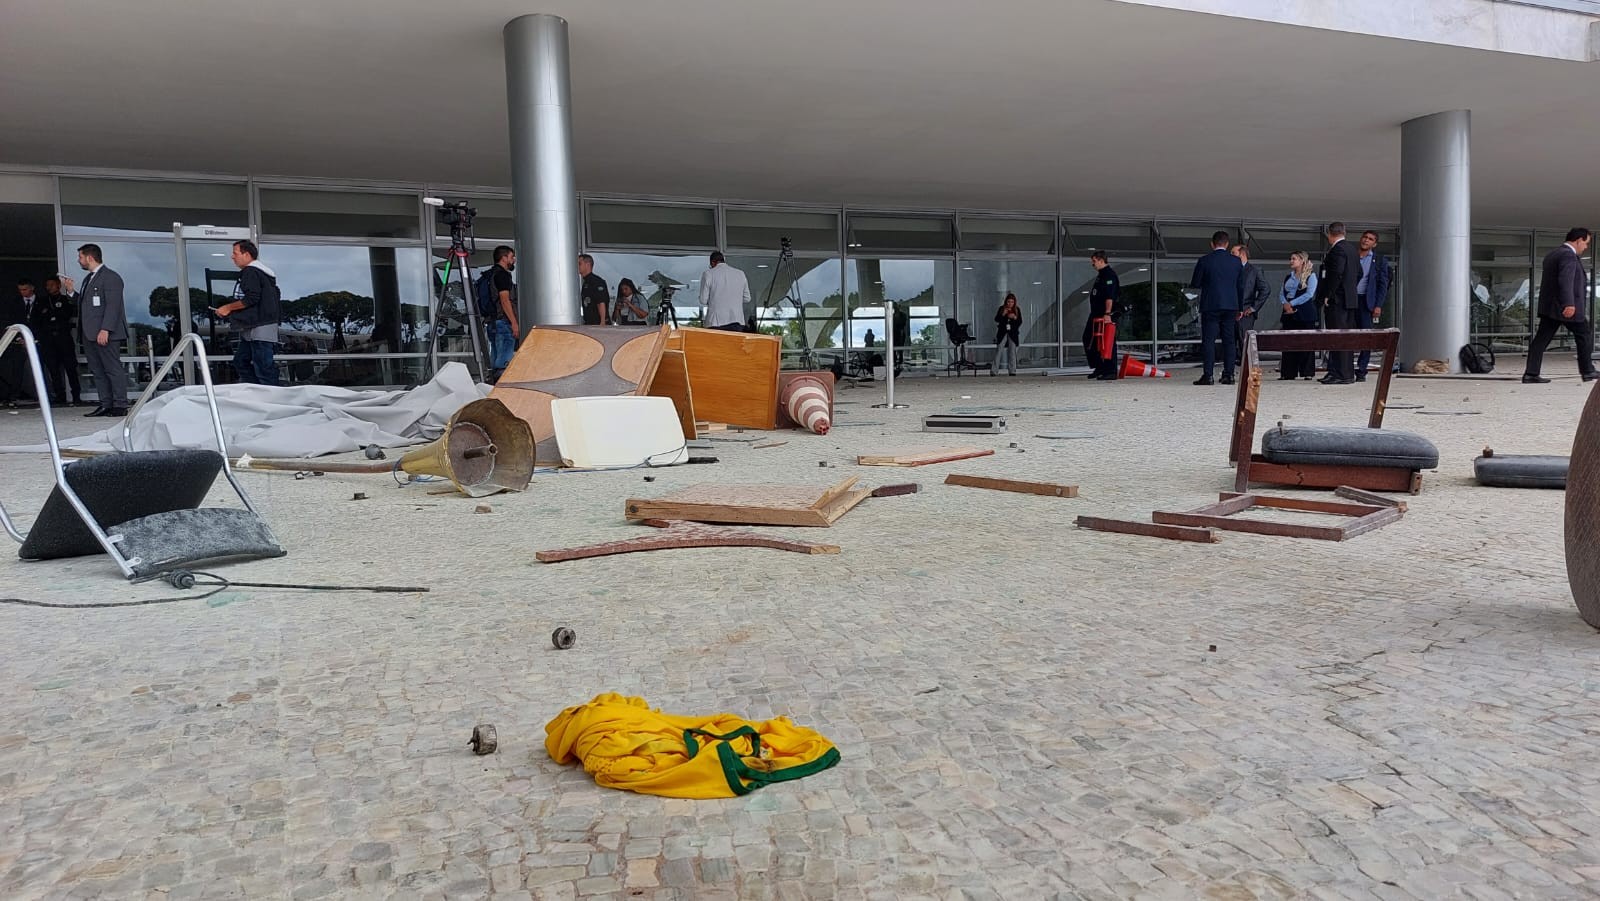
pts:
[1332, 446]
[1521, 471]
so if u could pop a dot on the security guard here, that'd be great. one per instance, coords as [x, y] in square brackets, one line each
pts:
[1103, 305]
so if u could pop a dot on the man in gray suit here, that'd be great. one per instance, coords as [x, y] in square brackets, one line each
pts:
[105, 325]
[1564, 301]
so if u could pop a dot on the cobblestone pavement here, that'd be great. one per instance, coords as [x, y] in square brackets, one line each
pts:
[1024, 709]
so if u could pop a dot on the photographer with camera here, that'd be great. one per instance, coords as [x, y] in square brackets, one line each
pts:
[630, 306]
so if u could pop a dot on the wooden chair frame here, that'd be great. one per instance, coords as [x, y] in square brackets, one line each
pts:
[1223, 515]
[1253, 467]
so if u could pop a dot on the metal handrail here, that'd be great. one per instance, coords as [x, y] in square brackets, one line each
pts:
[193, 338]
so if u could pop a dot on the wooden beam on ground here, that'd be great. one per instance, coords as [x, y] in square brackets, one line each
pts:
[1368, 497]
[1254, 526]
[1152, 530]
[1047, 489]
[1290, 503]
[897, 489]
[677, 534]
[942, 455]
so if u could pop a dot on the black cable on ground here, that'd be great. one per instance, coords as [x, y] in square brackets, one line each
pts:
[182, 578]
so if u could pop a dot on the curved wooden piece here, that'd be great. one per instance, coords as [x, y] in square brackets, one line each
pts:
[575, 361]
[1583, 514]
[678, 534]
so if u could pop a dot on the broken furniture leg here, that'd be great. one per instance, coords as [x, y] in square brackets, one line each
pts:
[679, 534]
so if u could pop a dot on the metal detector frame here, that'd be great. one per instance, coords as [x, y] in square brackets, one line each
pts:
[109, 542]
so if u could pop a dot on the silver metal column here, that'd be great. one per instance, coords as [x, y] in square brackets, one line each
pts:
[1436, 234]
[539, 112]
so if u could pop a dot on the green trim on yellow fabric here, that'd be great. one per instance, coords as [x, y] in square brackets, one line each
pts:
[736, 772]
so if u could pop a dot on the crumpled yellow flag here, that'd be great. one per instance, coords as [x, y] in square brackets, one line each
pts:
[627, 745]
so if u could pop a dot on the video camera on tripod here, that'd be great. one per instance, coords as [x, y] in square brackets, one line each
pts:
[456, 215]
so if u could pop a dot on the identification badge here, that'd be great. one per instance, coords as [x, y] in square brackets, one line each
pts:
[97, 300]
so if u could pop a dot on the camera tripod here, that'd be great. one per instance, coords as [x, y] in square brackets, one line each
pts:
[666, 310]
[786, 269]
[462, 244]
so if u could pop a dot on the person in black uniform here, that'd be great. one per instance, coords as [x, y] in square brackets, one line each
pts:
[15, 381]
[1104, 306]
[596, 296]
[55, 318]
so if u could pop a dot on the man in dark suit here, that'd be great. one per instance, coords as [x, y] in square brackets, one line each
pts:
[1563, 301]
[1337, 293]
[15, 381]
[1372, 289]
[1252, 298]
[1219, 276]
[104, 327]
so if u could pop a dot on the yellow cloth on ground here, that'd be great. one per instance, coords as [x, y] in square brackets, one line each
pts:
[625, 744]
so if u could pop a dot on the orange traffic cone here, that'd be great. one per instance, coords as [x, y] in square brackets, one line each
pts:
[1132, 368]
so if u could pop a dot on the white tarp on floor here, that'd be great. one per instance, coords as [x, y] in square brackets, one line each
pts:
[299, 421]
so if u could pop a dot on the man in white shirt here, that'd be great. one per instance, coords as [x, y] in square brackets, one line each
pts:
[724, 295]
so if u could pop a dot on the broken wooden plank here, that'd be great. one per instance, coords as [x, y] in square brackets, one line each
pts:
[1368, 497]
[1126, 527]
[770, 505]
[766, 444]
[922, 458]
[1254, 526]
[1048, 489]
[897, 490]
[678, 534]
[1306, 505]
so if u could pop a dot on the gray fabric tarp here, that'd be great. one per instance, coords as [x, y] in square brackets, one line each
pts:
[299, 421]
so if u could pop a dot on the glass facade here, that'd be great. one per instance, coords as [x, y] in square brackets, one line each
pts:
[358, 267]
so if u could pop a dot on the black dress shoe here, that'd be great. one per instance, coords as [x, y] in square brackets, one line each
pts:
[1530, 379]
[1341, 382]
[1225, 380]
[1361, 378]
[1591, 376]
[115, 412]
[97, 411]
[1204, 380]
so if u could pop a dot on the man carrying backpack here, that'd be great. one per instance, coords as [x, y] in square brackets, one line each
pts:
[497, 304]
[255, 312]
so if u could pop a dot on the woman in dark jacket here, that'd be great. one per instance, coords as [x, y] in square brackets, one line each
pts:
[1009, 319]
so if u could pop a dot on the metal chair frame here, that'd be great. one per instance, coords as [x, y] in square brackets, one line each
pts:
[110, 541]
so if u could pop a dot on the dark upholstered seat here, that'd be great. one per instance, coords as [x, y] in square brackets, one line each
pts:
[1331, 446]
[1521, 471]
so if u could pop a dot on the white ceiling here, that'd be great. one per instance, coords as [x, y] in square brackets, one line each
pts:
[1084, 105]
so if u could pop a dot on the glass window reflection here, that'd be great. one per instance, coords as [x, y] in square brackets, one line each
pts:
[351, 300]
[923, 292]
[984, 285]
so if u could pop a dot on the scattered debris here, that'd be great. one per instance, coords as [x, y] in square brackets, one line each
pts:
[483, 508]
[1211, 648]
[563, 638]
[373, 452]
[923, 458]
[897, 489]
[766, 444]
[359, 496]
[672, 534]
[1043, 488]
[1152, 530]
[1449, 412]
[928, 691]
[483, 739]
[769, 505]
[970, 423]
[649, 478]
[1064, 436]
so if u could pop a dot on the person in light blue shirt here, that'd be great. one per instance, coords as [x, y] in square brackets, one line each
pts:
[1298, 297]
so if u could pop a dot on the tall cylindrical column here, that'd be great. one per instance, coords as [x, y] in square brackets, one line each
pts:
[1436, 237]
[539, 112]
